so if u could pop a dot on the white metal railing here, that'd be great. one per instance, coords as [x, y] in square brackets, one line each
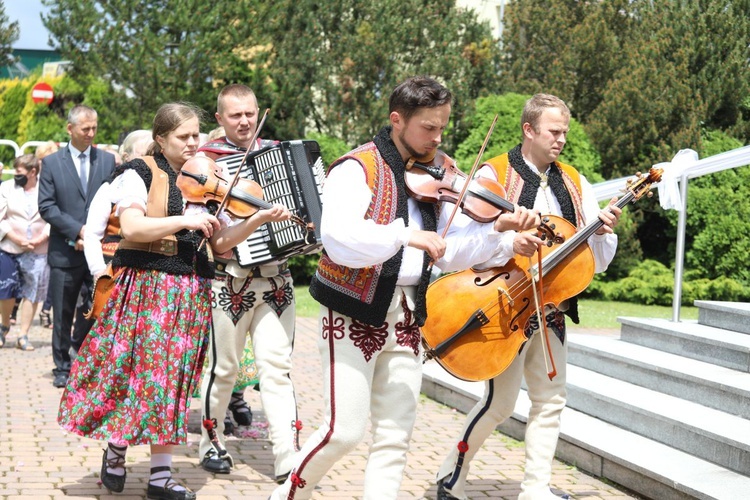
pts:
[673, 195]
[22, 149]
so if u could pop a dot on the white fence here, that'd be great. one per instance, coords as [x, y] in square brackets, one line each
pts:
[673, 193]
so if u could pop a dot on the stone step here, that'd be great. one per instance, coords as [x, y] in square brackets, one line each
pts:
[701, 431]
[697, 381]
[733, 316]
[643, 465]
[690, 339]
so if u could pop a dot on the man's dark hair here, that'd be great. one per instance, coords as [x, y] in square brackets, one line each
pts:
[418, 92]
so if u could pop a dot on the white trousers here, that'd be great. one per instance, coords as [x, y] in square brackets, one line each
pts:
[367, 370]
[548, 399]
[264, 308]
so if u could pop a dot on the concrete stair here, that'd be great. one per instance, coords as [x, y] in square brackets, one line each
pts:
[663, 409]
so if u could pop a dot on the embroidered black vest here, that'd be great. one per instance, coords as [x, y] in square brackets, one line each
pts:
[365, 293]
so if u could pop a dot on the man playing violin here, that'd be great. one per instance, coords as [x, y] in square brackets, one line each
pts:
[379, 246]
[532, 177]
[258, 301]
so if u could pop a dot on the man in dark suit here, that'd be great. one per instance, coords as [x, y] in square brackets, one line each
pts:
[68, 182]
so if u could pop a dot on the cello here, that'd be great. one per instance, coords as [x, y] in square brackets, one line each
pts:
[479, 336]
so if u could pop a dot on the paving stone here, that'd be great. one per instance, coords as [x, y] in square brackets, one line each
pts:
[39, 460]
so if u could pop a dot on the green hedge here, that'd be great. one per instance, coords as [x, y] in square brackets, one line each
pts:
[652, 283]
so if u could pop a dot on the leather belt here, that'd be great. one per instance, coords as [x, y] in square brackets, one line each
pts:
[255, 272]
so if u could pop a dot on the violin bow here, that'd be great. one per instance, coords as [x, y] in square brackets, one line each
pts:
[470, 176]
[237, 174]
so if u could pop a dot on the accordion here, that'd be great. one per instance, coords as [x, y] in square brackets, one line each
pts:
[290, 173]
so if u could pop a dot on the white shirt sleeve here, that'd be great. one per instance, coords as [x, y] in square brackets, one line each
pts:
[96, 226]
[128, 189]
[604, 246]
[353, 241]
[468, 242]
[349, 238]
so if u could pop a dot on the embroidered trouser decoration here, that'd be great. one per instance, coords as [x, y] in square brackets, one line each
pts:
[370, 370]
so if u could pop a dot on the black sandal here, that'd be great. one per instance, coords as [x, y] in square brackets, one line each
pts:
[168, 491]
[240, 410]
[44, 319]
[24, 344]
[3, 332]
[113, 482]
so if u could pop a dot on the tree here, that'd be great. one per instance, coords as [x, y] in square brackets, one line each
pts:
[331, 67]
[507, 134]
[8, 35]
[643, 76]
[686, 68]
[150, 52]
[564, 47]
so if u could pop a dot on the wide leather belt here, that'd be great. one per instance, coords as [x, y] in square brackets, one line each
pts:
[255, 272]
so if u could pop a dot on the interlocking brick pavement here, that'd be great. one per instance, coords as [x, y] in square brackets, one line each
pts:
[39, 460]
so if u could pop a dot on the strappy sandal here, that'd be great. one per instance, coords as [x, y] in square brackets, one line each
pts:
[113, 482]
[3, 332]
[240, 410]
[172, 490]
[44, 319]
[24, 344]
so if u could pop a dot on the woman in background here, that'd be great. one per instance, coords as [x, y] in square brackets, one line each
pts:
[24, 272]
[45, 319]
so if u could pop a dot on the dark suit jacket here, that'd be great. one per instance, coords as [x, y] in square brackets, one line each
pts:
[63, 204]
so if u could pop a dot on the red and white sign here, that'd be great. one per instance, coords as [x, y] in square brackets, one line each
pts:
[42, 93]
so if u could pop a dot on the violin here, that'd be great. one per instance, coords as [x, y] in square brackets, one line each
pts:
[201, 181]
[436, 178]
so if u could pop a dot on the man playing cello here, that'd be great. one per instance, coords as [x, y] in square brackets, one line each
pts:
[533, 178]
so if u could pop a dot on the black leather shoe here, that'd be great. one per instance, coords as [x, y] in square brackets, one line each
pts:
[60, 381]
[212, 462]
[113, 482]
[442, 493]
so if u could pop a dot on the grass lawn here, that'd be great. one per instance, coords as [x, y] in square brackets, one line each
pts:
[594, 313]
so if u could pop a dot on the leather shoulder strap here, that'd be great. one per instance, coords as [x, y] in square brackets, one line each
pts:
[156, 206]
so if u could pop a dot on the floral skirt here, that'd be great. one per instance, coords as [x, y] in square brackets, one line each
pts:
[135, 372]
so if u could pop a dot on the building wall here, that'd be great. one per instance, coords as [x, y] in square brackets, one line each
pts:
[487, 10]
[28, 60]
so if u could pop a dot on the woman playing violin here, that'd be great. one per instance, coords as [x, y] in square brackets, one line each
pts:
[141, 361]
[379, 245]
[532, 177]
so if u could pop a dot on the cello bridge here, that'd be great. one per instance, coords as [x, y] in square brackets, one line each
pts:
[501, 292]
